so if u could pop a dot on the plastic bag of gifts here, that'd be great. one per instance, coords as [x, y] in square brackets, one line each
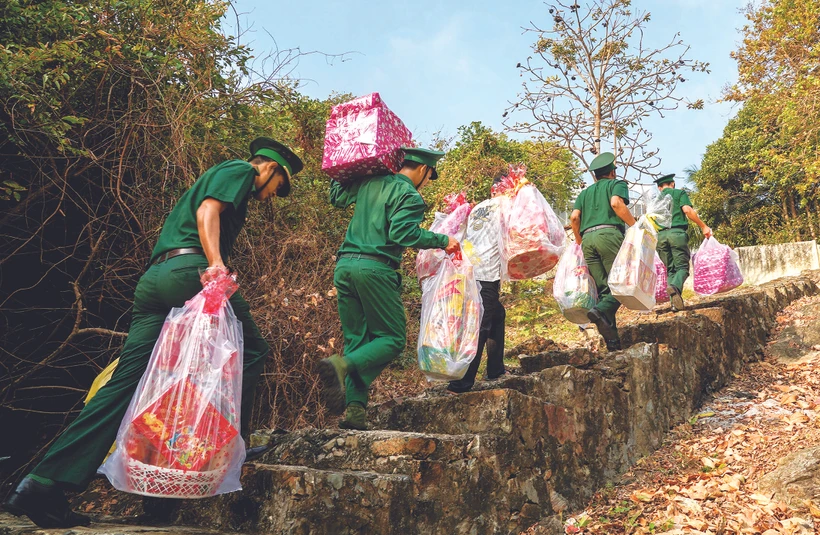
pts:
[574, 288]
[633, 276]
[180, 436]
[660, 284]
[451, 311]
[363, 138]
[452, 222]
[716, 268]
[532, 237]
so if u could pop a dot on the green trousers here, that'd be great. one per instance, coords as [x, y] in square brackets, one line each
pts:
[373, 321]
[75, 456]
[673, 248]
[600, 249]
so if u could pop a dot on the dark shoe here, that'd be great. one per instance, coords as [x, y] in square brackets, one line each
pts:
[675, 299]
[252, 454]
[613, 345]
[494, 377]
[46, 506]
[605, 329]
[332, 372]
[355, 418]
[459, 387]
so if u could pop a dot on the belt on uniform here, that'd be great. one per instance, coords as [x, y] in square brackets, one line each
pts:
[359, 256]
[176, 252]
[599, 227]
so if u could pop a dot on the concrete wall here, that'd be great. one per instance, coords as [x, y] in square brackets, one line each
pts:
[764, 263]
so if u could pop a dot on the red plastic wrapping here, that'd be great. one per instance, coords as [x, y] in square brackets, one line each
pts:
[532, 237]
[363, 138]
[452, 222]
[180, 435]
[716, 268]
[660, 286]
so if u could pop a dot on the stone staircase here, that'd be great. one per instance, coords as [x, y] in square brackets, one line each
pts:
[514, 451]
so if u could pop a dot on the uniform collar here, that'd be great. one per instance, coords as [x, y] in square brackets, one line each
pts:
[407, 178]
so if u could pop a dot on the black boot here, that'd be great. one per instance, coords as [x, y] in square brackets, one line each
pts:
[675, 299]
[45, 505]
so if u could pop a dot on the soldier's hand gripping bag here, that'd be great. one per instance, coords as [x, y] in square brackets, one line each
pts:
[532, 238]
[716, 268]
[451, 311]
[632, 277]
[452, 222]
[180, 436]
[574, 288]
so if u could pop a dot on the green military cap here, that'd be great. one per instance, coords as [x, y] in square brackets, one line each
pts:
[665, 179]
[603, 163]
[281, 154]
[424, 156]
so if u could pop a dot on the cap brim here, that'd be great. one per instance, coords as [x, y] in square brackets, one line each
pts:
[284, 189]
[434, 176]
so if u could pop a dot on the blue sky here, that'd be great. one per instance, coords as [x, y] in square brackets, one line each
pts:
[440, 64]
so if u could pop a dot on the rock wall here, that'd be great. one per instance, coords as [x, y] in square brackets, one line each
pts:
[514, 451]
[764, 263]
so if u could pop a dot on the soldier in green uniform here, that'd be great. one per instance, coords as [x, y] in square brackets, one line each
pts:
[197, 236]
[597, 220]
[673, 244]
[385, 221]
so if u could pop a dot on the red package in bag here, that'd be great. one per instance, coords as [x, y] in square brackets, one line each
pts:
[532, 237]
[660, 285]
[180, 435]
[363, 138]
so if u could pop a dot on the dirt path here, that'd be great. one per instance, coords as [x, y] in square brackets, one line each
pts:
[705, 477]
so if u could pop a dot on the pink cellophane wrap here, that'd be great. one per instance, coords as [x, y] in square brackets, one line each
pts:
[452, 222]
[660, 286]
[532, 237]
[716, 268]
[632, 277]
[180, 436]
[451, 310]
[363, 138]
[574, 288]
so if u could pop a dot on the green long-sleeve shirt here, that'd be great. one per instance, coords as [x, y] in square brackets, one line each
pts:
[386, 218]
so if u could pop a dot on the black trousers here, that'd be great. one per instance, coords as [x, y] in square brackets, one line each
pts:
[490, 335]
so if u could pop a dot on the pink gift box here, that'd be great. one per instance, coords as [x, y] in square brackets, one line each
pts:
[363, 138]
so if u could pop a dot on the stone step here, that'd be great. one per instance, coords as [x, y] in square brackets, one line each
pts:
[301, 500]
[453, 475]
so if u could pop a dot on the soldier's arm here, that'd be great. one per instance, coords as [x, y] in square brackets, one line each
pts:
[619, 206]
[575, 221]
[405, 217]
[693, 216]
[343, 196]
[207, 223]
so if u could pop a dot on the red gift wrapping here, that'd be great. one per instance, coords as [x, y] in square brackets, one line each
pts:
[532, 237]
[363, 138]
[185, 438]
[660, 285]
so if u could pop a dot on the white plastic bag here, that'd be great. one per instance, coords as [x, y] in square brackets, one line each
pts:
[716, 268]
[452, 222]
[632, 277]
[532, 237]
[574, 288]
[180, 436]
[451, 311]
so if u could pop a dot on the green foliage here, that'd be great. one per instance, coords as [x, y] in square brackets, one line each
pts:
[479, 154]
[759, 182]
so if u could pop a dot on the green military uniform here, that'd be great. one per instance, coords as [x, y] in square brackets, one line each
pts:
[79, 451]
[386, 221]
[673, 243]
[602, 231]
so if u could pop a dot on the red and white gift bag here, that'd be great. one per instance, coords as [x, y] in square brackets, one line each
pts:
[363, 138]
[452, 222]
[532, 237]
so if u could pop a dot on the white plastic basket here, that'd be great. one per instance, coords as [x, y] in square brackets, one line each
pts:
[150, 480]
